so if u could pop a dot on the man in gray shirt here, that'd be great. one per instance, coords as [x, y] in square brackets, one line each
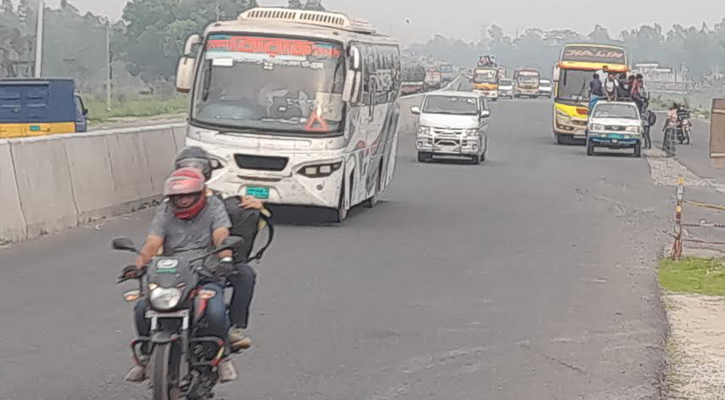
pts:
[188, 224]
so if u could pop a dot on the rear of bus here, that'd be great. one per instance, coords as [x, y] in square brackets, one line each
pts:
[576, 67]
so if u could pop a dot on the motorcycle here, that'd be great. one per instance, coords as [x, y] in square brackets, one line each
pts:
[182, 363]
[684, 126]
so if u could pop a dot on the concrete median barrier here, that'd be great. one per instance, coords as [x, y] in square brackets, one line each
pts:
[129, 166]
[161, 151]
[12, 221]
[89, 162]
[44, 185]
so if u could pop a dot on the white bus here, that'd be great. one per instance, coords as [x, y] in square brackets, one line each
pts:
[299, 107]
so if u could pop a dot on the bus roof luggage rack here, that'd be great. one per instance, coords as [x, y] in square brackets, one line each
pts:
[329, 19]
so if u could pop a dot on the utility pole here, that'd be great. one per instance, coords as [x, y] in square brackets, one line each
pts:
[108, 66]
[39, 40]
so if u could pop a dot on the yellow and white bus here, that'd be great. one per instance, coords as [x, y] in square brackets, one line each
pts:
[299, 107]
[572, 74]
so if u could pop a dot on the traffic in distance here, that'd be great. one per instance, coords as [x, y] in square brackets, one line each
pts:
[315, 122]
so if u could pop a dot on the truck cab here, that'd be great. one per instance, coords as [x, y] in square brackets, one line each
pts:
[37, 107]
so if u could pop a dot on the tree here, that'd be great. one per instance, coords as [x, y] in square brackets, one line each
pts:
[295, 4]
[314, 5]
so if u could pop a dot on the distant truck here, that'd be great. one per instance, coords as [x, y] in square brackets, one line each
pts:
[448, 73]
[413, 79]
[37, 107]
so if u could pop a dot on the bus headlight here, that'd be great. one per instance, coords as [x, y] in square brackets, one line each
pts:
[165, 298]
[562, 114]
[319, 170]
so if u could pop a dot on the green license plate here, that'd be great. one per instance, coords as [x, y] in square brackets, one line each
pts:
[615, 136]
[261, 193]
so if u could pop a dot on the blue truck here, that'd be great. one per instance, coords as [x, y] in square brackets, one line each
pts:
[37, 107]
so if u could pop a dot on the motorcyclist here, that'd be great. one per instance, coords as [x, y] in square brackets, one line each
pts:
[246, 214]
[187, 224]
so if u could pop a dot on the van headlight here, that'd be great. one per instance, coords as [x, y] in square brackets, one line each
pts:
[633, 129]
[423, 130]
[165, 298]
[471, 132]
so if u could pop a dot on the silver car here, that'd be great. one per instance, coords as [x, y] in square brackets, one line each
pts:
[452, 124]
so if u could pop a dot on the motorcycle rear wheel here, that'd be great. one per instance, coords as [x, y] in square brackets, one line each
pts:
[162, 386]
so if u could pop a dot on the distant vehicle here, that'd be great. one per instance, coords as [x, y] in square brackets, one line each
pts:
[526, 83]
[452, 124]
[413, 80]
[615, 125]
[37, 107]
[299, 107]
[506, 88]
[485, 81]
[448, 73]
[545, 88]
[433, 78]
[572, 74]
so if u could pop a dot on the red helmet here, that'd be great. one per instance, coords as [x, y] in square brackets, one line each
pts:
[182, 183]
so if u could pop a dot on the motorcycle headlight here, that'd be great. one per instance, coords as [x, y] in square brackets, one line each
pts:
[423, 130]
[633, 129]
[165, 298]
[596, 127]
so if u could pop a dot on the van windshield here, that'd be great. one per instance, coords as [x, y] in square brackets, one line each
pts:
[453, 105]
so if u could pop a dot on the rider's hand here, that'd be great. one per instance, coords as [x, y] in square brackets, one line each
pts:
[132, 272]
[139, 262]
[225, 267]
[251, 203]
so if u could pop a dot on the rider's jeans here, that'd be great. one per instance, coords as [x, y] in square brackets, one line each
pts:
[243, 280]
[217, 323]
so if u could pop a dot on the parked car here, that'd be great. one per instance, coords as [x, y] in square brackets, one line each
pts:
[452, 124]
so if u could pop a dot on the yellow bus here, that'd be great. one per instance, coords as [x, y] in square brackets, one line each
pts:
[572, 74]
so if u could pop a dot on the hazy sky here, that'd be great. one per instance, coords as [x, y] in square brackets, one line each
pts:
[464, 18]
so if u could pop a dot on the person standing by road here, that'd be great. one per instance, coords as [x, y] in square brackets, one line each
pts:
[670, 129]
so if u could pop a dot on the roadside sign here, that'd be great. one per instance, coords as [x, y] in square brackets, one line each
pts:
[717, 133]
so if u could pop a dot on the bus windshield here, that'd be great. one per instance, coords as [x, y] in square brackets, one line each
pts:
[485, 76]
[270, 84]
[573, 86]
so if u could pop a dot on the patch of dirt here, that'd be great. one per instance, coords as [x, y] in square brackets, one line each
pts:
[696, 347]
[666, 171]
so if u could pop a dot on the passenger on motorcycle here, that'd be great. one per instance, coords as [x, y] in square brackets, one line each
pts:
[246, 214]
[189, 224]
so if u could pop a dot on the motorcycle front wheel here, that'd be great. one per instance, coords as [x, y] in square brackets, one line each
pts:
[162, 383]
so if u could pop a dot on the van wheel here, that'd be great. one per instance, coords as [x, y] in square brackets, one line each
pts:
[423, 157]
[590, 148]
[638, 150]
[476, 160]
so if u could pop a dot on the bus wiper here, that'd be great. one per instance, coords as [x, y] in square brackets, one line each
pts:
[206, 82]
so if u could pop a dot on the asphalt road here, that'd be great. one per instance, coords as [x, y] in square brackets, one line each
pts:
[528, 277]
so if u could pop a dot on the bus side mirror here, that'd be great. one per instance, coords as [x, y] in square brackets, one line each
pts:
[557, 72]
[351, 90]
[187, 62]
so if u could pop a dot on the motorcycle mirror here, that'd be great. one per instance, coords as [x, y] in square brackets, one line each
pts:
[124, 244]
[215, 164]
[131, 295]
[230, 243]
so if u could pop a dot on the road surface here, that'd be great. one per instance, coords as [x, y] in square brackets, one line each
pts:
[529, 277]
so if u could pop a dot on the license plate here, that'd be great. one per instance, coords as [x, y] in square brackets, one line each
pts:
[615, 136]
[614, 140]
[261, 193]
[173, 314]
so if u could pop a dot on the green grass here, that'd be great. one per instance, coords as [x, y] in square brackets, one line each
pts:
[138, 107]
[693, 275]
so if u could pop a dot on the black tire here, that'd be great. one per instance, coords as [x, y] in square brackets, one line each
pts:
[561, 139]
[373, 201]
[423, 157]
[590, 148]
[476, 160]
[341, 212]
[160, 376]
[638, 150]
